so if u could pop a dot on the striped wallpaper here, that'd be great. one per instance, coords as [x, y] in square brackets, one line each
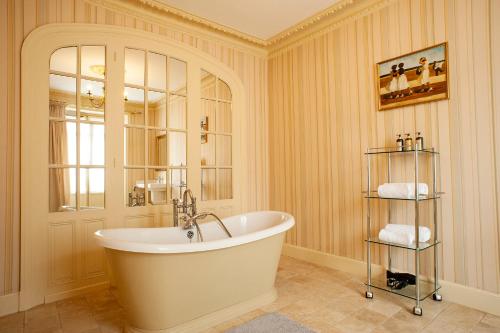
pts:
[323, 116]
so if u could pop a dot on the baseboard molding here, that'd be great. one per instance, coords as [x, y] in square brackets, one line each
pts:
[9, 304]
[205, 322]
[453, 292]
[76, 292]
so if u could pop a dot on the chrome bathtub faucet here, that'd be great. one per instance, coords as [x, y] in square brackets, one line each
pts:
[190, 217]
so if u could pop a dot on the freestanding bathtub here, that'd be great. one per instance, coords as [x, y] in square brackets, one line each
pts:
[168, 284]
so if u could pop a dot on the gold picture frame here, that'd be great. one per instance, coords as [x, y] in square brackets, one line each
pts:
[413, 78]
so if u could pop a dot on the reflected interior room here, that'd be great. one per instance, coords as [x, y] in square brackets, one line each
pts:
[232, 166]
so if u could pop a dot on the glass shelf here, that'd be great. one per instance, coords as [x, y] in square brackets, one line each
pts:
[374, 195]
[426, 289]
[422, 246]
[394, 150]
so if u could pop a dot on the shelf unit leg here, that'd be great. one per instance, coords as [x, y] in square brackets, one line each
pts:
[369, 293]
[389, 180]
[435, 296]
[417, 309]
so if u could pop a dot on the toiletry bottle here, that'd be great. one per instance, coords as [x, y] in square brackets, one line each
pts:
[419, 141]
[408, 142]
[399, 143]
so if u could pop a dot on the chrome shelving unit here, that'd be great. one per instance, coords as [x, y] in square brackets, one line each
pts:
[422, 288]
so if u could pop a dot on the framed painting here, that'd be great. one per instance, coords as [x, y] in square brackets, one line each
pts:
[417, 77]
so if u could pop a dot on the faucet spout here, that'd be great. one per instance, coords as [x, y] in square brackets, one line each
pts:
[222, 225]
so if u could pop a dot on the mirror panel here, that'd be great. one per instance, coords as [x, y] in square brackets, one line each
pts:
[157, 186]
[177, 77]
[157, 109]
[62, 189]
[223, 91]
[93, 61]
[62, 142]
[207, 85]
[157, 71]
[92, 144]
[223, 150]
[178, 183]
[225, 183]
[134, 67]
[92, 100]
[134, 106]
[208, 190]
[177, 116]
[177, 148]
[207, 122]
[64, 60]
[207, 149]
[157, 146]
[134, 146]
[224, 117]
[92, 188]
[62, 97]
[134, 188]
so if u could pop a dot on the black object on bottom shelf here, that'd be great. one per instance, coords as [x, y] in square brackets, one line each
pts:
[399, 280]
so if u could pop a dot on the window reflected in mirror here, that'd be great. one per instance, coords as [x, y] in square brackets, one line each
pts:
[91, 188]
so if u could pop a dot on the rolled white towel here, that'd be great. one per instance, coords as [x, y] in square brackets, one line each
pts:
[424, 233]
[395, 237]
[402, 190]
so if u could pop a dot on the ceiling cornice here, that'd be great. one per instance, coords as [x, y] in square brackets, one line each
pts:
[199, 20]
[309, 21]
[318, 17]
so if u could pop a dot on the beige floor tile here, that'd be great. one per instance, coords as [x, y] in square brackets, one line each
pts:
[484, 328]
[12, 323]
[461, 316]
[439, 326]
[353, 324]
[383, 307]
[491, 320]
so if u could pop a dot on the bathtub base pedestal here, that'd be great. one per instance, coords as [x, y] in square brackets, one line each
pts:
[217, 317]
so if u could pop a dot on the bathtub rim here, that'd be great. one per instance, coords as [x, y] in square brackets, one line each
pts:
[139, 247]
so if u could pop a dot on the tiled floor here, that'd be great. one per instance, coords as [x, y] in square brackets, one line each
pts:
[323, 299]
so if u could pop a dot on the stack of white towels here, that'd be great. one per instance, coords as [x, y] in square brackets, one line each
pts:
[402, 190]
[403, 234]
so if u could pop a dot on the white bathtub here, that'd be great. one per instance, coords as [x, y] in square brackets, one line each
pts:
[166, 284]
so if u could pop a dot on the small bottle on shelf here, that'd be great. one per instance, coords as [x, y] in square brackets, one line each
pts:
[399, 143]
[408, 142]
[419, 141]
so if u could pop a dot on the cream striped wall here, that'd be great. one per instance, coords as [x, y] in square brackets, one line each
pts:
[19, 17]
[323, 116]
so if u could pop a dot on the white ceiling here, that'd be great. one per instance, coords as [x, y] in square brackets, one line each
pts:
[259, 18]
